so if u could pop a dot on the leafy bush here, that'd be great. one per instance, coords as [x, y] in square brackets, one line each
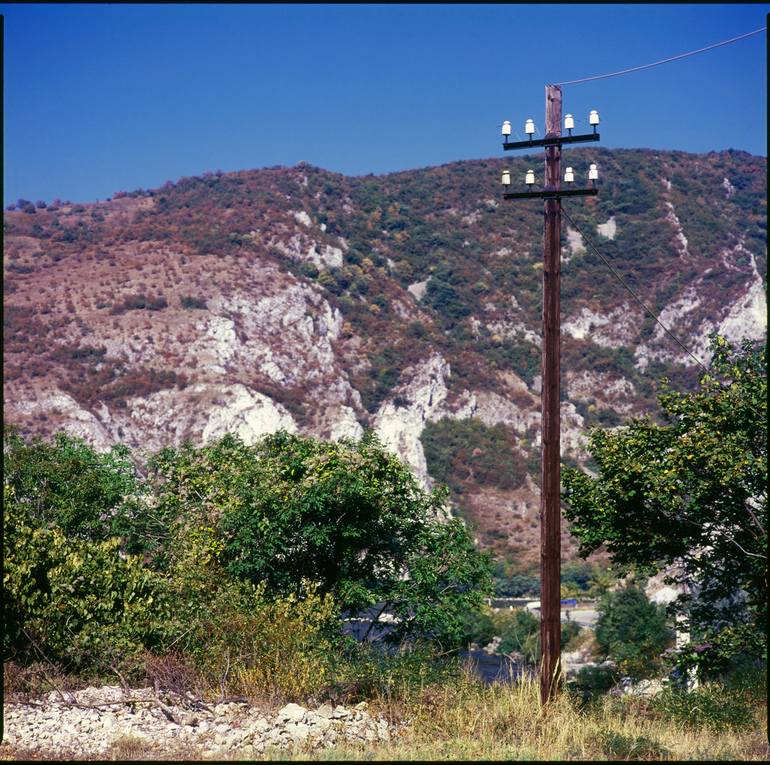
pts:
[569, 631]
[632, 632]
[243, 642]
[520, 633]
[510, 582]
[577, 576]
[592, 681]
[67, 484]
[517, 585]
[663, 490]
[76, 601]
[190, 301]
[371, 670]
[347, 516]
[467, 451]
[479, 626]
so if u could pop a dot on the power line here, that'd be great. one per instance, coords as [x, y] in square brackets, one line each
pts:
[665, 60]
[633, 294]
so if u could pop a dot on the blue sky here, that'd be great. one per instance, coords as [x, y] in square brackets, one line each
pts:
[102, 98]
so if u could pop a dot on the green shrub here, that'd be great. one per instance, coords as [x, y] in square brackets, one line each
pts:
[519, 630]
[517, 585]
[190, 301]
[240, 640]
[75, 601]
[459, 452]
[93, 496]
[478, 626]
[592, 681]
[370, 670]
[520, 633]
[67, 483]
[617, 745]
[350, 517]
[632, 632]
[712, 706]
[569, 631]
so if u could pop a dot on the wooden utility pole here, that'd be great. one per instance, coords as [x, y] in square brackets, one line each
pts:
[550, 492]
[550, 466]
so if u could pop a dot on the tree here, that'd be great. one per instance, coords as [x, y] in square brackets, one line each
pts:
[632, 631]
[347, 516]
[68, 484]
[689, 495]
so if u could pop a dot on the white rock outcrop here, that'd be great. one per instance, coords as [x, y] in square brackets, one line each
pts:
[608, 229]
[247, 414]
[96, 429]
[400, 427]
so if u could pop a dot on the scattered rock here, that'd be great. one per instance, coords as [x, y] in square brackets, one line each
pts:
[292, 713]
[94, 721]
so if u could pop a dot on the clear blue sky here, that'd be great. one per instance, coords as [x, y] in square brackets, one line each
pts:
[101, 98]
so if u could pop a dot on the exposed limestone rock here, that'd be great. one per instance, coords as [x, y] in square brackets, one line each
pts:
[745, 318]
[209, 411]
[248, 414]
[299, 247]
[514, 330]
[492, 408]
[575, 244]
[303, 218]
[297, 314]
[612, 330]
[681, 239]
[418, 289]
[343, 424]
[79, 422]
[608, 229]
[601, 389]
[400, 427]
[748, 316]
[573, 433]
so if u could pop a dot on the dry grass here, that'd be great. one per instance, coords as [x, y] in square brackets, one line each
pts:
[471, 722]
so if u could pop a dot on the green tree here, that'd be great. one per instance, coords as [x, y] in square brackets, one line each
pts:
[347, 516]
[690, 494]
[632, 632]
[67, 484]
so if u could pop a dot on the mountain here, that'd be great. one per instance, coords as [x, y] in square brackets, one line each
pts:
[298, 298]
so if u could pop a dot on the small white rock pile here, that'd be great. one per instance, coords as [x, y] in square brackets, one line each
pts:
[93, 721]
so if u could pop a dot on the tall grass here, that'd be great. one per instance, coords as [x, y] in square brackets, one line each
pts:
[465, 720]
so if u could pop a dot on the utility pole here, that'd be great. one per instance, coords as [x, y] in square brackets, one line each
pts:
[550, 466]
[550, 471]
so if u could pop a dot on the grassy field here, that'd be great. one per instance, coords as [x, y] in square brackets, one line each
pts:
[473, 722]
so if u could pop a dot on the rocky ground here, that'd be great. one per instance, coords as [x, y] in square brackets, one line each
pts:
[113, 723]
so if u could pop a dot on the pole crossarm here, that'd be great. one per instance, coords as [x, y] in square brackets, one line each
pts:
[552, 141]
[551, 194]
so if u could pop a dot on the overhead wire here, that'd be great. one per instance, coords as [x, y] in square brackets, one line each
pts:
[633, 294]
[665, 60]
